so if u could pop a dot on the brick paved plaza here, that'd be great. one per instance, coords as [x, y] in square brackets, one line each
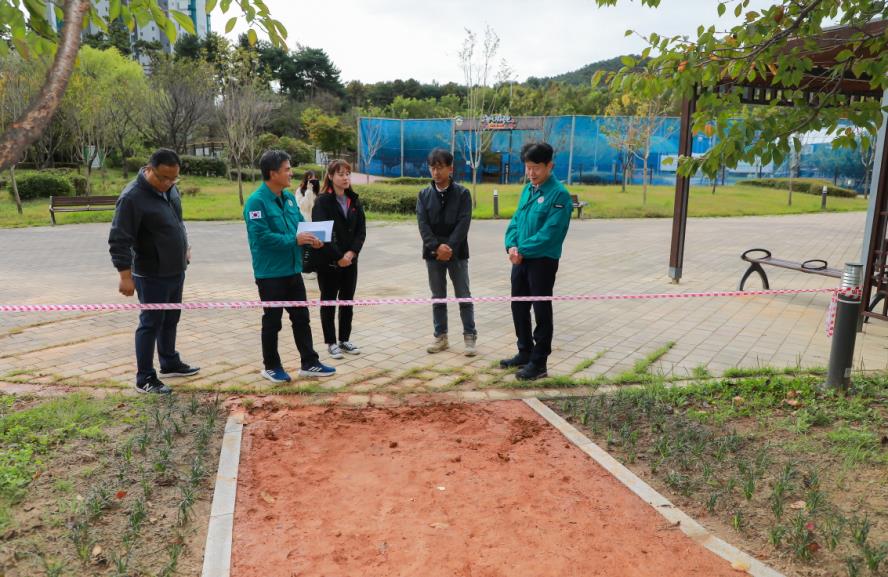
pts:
[70, 264]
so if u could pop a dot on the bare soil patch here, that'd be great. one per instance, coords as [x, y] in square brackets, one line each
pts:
[440, 490]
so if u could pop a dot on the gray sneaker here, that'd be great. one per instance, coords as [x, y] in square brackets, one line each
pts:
[439, 345]
[335, 351]
[349, 347]
[470, 341]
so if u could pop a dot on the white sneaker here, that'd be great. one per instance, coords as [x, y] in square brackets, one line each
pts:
[349, 347]
[439, 345]
[335, 351]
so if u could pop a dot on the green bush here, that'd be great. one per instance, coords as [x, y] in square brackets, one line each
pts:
[300, 151]
[246, 174]
[413, 180]
[80, 184]
[135, 163]
[203, 166]
[43, 185]
[804, 185]
[298, 172]
[381, 199]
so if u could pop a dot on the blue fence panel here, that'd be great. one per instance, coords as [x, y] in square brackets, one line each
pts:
[595, 156]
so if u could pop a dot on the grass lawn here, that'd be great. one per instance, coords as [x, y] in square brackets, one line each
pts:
[217, 199]
[111, 486]
[791, 473]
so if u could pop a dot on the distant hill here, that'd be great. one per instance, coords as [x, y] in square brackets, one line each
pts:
[583, 75]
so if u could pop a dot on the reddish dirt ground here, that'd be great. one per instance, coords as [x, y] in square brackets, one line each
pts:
[482, 490]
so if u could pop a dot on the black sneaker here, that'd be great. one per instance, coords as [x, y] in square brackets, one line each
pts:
[531, 372]
[518, 360]
[153, 386]
[183, 370]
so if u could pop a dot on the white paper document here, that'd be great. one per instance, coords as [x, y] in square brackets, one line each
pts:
[323, 229]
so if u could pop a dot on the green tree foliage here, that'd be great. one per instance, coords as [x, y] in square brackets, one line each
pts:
[28, 26]
[581, 76]
[327, 132]
[773, 44]
[118, 36]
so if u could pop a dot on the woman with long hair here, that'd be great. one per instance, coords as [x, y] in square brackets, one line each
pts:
[338, 274]
[308, 192]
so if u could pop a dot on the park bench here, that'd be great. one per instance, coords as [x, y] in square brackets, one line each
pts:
[578, 204]
[811, 266]
[79, 203]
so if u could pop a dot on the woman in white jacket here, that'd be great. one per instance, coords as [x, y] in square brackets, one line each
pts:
[307, 193]
[305, 198]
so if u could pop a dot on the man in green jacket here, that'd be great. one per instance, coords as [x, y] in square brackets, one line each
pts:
[272, 218]
[533, 242]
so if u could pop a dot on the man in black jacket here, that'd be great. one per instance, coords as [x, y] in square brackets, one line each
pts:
[149, 248]
[444, 213]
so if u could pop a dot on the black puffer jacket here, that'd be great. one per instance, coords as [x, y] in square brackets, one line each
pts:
[447, 224]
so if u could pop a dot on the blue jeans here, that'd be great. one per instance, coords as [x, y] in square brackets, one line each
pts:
[459, 276]
[157, 326]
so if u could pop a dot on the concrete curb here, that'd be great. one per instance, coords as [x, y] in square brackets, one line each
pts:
[217, 552]
[673, 514]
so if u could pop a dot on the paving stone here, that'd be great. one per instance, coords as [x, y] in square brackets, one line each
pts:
[717, 333]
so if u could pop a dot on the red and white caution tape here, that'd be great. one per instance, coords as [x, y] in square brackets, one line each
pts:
[830, 320]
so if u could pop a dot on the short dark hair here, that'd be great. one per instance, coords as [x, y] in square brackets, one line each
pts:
[440, 157]
[272, 160]
[164, 156]
[539, 152]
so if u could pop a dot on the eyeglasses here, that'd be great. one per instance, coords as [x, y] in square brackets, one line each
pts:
[161, 178]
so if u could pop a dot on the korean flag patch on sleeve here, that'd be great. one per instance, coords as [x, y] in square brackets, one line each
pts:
[255, 214]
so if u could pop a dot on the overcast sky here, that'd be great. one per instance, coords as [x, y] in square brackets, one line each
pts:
[373, 40]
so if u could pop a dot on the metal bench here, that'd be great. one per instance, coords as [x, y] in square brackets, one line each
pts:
[578, 204]
[79, 204]
[811, 266]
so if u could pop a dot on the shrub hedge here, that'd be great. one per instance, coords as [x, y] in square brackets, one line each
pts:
[43, 185]
[203, 166]
[381, 199]
[804, 185]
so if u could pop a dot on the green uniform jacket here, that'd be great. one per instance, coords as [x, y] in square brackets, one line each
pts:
[271, 231]
[540, 222]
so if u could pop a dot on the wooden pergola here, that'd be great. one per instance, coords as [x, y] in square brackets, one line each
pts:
[764, 91]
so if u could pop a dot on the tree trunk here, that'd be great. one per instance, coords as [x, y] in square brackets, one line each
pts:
[28, 127]
[789, 197]
[625, 176]
[125, 168]
[714, 183]
[240, 184]
[88, 168]
[474, 186]
[644, 182]
[15, 190]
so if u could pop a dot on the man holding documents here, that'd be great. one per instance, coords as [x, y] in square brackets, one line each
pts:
[337, 266]
[272, 217]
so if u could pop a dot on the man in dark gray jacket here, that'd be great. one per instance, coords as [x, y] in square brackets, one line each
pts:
[149, 248]
[444, 213]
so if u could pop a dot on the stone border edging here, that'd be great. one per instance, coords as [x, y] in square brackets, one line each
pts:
[673, 514]
[217, 552]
